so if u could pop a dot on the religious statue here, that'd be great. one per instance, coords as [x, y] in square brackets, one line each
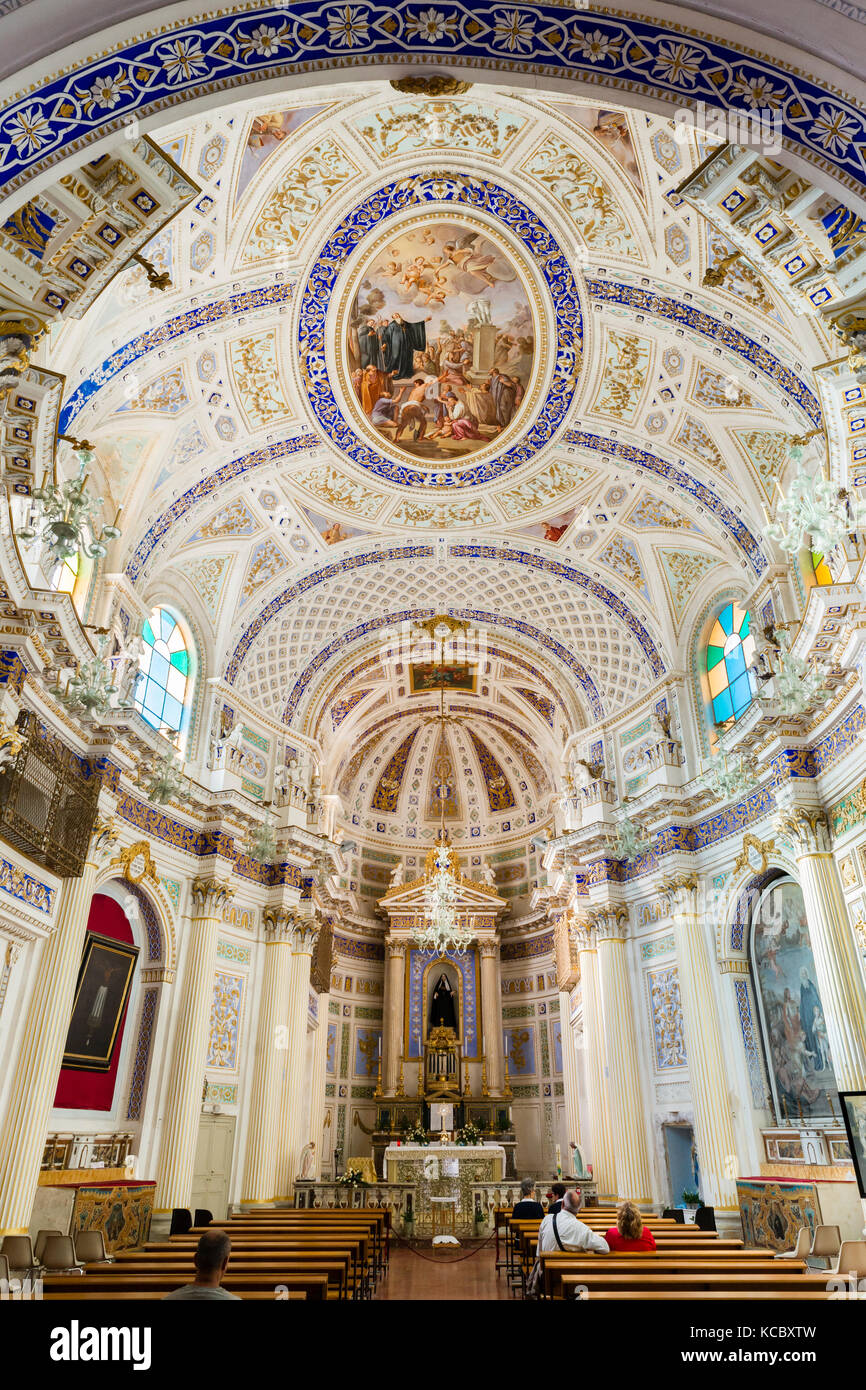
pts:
[488, 875]
[398, 875]
[443, 1012]
[228, 737]
[307, 1164]
[580, 1168]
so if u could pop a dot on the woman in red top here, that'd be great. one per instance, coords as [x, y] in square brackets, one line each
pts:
[630, 1233]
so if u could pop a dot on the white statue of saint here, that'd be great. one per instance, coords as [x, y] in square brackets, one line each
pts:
[398, 875]
[488, 875]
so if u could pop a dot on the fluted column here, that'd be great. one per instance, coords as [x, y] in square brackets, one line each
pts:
[395, 972]
[601, 1135]
[22, 1134]
[290, 1137]
[317, 1085]
[491, 1016]
[841, 983]
[714, 1126]
[259, 1183]
[623, 1076]
[210, 897]
[569, 1070]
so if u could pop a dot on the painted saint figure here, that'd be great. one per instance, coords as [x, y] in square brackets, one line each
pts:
[443, 1013]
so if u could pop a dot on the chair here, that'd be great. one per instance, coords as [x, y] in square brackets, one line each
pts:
[203, 1217]
[705, 1218]
[90, 1248]
[801, 1248]
[674, 1214]
[826, 1244]
[852, 1258]
[41, 1237]
[19, 1253]
[58, 1256]
[181, 1222]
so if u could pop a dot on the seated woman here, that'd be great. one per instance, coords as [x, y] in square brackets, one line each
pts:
[630, 1233]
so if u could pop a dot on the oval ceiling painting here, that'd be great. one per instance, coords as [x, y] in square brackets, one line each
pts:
[440, 342]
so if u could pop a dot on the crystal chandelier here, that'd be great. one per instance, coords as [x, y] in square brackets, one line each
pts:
[441, 930]
[90, 691]
[816, 514]
[64, 518]
[799, 682]
[164, 779]
[262, 844]
[727, 779]
[630, 842]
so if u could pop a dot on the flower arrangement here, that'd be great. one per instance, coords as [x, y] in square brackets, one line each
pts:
[469, 1134]
[415, 1133]
[691, 1198]
[351, 1178]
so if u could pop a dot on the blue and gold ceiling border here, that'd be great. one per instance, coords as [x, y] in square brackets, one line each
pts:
[500, 796]
[664, 62]
[462, 191]
[387, 792]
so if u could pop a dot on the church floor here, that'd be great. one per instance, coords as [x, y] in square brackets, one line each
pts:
[426, 1277]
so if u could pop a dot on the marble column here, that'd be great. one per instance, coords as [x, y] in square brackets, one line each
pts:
[569, 1076]
[491, 1016]
[623, 1075]
[392, 1042]
[317, 1086]
[290, 1136]
[601, 1134]
[714, 1126]
[840, 977]
[174, 1175]
[37, 1066]
[259, 1183]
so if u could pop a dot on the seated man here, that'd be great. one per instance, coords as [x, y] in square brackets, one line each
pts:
[563, 1231]
[527, 1209]
[211, 1259]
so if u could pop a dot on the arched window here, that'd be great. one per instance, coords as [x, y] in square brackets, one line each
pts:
[72, 576]
[730, 655]
[163, 695]
[820, 568]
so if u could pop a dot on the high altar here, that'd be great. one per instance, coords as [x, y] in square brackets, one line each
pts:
[442, 1034]
[444, 1171]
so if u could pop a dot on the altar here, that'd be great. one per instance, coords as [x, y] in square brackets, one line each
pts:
[444, 1170]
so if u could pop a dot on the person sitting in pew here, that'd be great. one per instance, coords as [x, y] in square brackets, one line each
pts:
[211, 1259]
[527, 1209]
[630, 1233]
[554, 1197]
[563, 1231]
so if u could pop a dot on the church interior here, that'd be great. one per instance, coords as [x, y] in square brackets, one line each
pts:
[432, 648]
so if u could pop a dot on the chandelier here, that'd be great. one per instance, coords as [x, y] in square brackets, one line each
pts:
[441, 930]
[64, 518]
[262, 844]
[727, 779]
[630, 842]
[90, 691]
[799, 682]
[163, 779]
[816, 514]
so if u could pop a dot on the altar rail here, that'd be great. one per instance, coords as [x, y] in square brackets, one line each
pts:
[398, 1198]
[84, 1150]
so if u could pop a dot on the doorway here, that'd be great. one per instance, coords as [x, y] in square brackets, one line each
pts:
[682, 1160]
[213, 1164]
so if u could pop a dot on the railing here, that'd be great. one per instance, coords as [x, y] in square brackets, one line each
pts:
[48, 801]
[71, 1151]
[398, 1198]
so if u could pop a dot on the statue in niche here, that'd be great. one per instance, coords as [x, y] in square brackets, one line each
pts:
[443, 1007]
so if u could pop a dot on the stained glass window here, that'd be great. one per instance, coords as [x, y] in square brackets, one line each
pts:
[67, 574]
[162, 693]
[730, 655]
[821, 568]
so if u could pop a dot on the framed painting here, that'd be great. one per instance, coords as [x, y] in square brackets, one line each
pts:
[104, 982]
[853, 1106]
[430, 676]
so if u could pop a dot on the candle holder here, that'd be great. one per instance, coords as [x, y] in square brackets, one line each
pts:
[507, 1090]
[377, 1094]
[421, 1077]
[467, 1089]
[400, 1093]
[484, 1091]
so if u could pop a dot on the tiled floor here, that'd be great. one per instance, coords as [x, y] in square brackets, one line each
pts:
[423, 1276]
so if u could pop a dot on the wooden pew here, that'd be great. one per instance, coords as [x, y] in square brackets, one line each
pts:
[741, 1282]
[354, 1241]
[699, 1295]
[137, 1296]
[556, 1265]
[313, 1285]
[338, 1269]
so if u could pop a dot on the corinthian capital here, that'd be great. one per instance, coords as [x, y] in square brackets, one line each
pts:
[681, 891]
[610, 921]
[807, 828]
[210, 896]
[488, 949]
[396, 948]
[279, 923]
[583, 932]
[304, 933]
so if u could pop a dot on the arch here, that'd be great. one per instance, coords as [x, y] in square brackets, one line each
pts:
[661, 64]
[165, 691]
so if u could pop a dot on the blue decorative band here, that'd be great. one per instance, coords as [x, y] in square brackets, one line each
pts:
[187, 59]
